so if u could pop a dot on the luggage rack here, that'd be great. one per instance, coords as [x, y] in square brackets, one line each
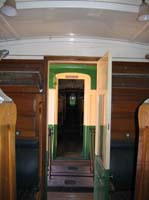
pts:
[27, 78]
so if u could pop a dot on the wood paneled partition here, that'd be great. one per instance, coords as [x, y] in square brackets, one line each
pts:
[142, 176]
[130, 87]
[25, 82]
[7, 150]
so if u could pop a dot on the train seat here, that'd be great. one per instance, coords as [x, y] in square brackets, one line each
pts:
[27, 176]
[122, 164]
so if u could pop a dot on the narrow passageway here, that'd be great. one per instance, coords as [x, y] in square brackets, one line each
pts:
[70, 119]
[70, 175]
[70, 140]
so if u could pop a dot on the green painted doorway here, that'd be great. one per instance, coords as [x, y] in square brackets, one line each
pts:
[86, 73]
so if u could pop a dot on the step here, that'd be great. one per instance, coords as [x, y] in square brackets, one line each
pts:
[68, 182]
[71, 170]
[80, 162]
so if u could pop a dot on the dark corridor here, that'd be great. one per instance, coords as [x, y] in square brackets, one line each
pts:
[70, 119]
[70, 172]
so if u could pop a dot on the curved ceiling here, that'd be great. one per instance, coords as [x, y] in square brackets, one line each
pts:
[109, 19]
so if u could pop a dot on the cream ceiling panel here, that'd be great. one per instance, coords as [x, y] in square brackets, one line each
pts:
[75, 22]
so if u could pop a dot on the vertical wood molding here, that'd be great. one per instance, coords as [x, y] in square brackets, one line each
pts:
[7, 151]
[142, 173]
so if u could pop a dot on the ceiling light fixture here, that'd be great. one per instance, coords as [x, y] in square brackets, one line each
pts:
[9, 8]
[143, 14]
[147, 56]
[2, 3]
[3, 53]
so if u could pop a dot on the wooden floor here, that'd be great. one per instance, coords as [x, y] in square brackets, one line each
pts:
[70, 175]
[69, 196]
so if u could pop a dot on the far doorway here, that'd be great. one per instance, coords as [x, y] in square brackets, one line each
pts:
[70, 118]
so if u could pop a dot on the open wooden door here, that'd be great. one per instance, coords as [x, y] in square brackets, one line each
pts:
[103, 128]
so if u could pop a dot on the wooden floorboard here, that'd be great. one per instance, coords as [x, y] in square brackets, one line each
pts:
[123, 195]
[74, 175]
[70, 182]
[69, 196]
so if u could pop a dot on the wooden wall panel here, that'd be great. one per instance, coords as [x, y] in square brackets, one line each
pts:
[123, 126]
[26, 102]
[25, 96]
[130, 87]
[31, 108]
[22, 65]
[27, 115]
[130, 67]
[26, 127]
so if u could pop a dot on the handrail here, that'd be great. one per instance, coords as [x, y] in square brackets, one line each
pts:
[92, 149]
[50, 133]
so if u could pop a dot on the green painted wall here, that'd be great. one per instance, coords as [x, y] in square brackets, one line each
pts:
[76, 68]
[101, 181]
[102, 132]
[66, 68]
[87, 141]
[54, 140]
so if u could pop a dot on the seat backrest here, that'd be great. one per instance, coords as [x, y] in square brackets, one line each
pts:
[27, 162]
[122, 164]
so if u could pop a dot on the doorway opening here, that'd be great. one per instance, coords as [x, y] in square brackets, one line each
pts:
[70, 118]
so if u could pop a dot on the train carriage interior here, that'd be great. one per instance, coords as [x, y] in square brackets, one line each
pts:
[74, 96]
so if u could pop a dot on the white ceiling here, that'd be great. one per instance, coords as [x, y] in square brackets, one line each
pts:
[109, 19]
